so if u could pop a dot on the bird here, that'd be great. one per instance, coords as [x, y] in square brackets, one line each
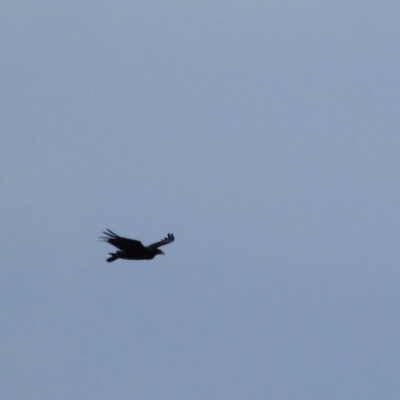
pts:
[131, 249]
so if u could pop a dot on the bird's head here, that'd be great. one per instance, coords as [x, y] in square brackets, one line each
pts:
[160, 252]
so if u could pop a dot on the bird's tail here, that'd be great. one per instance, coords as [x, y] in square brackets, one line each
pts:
[114, 256]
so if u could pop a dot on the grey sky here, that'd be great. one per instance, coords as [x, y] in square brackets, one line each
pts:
[264, 135]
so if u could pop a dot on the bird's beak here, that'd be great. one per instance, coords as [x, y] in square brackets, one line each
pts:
[162, 253]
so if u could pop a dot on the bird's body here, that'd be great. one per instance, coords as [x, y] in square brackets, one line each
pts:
[131, 249]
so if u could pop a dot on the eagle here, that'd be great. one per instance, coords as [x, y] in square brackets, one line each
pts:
[131, 249]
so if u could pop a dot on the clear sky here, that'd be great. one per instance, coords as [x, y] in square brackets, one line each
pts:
[264, 135]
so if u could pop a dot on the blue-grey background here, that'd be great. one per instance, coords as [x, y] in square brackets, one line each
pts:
[264, 135]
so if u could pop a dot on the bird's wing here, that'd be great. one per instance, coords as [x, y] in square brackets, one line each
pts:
[124, 244]
[170, 238]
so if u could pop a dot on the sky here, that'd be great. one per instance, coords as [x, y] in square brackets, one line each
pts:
[264, 135]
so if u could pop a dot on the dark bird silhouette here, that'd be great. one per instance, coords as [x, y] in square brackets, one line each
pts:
[130, 249]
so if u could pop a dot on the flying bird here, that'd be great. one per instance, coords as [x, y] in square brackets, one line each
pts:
[131, 249]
